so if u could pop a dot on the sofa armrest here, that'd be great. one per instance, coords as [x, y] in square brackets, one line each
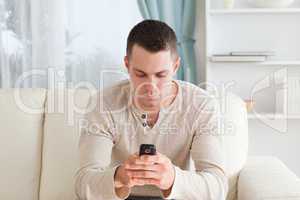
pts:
[266, 178]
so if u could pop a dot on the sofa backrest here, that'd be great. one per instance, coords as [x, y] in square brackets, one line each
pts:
[61, 139]
[235, 138]
[21, 131]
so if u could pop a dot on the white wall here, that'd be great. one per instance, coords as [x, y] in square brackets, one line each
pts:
[264, 140]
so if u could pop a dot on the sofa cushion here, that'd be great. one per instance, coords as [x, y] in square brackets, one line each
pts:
[21, 128]
[60, 148]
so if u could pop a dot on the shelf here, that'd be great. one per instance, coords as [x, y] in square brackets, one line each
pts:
[266, 115]
[271, 116]
[281, 62]
[268, 62]
[255, 11]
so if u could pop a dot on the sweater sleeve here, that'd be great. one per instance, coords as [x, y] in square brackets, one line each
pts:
[209, 180]
[95, 178]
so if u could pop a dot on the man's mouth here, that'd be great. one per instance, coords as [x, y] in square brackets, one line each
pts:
[152, 98]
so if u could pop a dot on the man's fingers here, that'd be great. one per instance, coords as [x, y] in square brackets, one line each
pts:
[132, 158]
[135, 159]
[158, 158]
[136, 182]
[146, 167]
[144, 174]
[138, 161]
[145, 181]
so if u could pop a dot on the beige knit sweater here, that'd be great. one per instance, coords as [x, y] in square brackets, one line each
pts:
[187, 132]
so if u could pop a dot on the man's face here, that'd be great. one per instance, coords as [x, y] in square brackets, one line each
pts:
[151, 75]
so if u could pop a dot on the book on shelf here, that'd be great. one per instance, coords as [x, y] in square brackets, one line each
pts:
[230, 58]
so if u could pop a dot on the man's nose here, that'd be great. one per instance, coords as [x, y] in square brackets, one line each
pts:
[151, 80]
[151, 86]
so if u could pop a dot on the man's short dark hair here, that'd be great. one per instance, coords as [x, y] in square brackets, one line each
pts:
[152, 35]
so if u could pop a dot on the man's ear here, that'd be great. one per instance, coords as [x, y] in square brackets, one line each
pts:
[126, 62]
[176, 64]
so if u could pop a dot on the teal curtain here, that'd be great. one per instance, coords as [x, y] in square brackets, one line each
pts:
[180, 15]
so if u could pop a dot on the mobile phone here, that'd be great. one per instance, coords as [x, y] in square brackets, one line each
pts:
[147, 149]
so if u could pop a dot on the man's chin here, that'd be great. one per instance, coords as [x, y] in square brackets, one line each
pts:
[150, 106]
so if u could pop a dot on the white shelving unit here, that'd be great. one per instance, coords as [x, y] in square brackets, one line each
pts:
[237, 29]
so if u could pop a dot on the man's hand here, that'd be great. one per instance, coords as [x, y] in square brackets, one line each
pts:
[122, 177]
[146, 170]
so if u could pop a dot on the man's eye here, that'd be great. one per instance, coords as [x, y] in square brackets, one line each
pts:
[140, 75]
[161, 75]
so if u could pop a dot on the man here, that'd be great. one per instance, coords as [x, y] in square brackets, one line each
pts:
[178, 117]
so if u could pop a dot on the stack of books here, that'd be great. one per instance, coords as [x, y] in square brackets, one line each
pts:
[242, 56]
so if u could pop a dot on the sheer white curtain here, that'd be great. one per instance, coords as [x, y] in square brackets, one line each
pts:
[96, 39]
[43, 43]
[15, 45]
[32, 40]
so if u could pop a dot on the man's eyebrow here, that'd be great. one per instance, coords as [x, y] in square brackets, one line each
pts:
[160, 72]
[163, 71]
[139, 71]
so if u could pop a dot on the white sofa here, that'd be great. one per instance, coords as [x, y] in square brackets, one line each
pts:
[39, 132]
